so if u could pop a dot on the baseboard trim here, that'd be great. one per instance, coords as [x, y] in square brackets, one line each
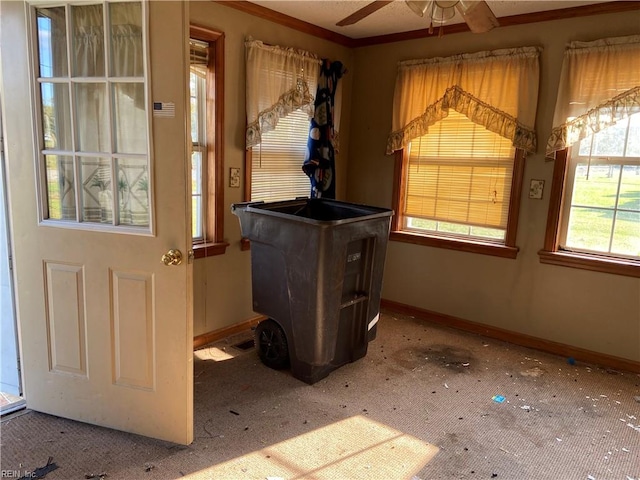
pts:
[568, 351]
[216, 335]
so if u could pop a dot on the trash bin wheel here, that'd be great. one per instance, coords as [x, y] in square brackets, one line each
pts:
[271, 343]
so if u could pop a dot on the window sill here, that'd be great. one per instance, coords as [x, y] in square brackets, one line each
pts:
[628, 268]
[209, 249]
[460, 245]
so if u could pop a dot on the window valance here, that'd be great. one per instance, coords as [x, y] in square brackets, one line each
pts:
[599, 85]
[496, 89]
[279, 81]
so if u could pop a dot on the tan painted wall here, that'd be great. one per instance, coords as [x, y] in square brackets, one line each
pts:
[222, 284]
[596, 311]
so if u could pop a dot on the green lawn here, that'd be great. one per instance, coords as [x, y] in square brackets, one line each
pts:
[591, 228]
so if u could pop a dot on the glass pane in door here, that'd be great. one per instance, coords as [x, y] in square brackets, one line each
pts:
[88, 41]
[97, 196]
[56, 116]
[133, 191]
[61, 194]
[126, 40]
[130, 118]
[92, 120]
[52, 42]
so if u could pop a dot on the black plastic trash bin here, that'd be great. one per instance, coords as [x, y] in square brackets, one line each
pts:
[317, 268]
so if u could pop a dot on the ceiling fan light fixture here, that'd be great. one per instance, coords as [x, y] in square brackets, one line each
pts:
[446, 3]
[419, 7]
[443, 11]
[476, 13]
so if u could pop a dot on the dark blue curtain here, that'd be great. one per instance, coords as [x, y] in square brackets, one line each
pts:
[319, 162]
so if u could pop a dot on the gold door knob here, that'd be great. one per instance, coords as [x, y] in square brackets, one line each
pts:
[172, 257]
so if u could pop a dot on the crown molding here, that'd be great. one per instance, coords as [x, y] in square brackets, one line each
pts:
[287, 21]
[536, 17]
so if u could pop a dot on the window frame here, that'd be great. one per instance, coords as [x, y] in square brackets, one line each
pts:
[76, 153]
[552, 254]
[508, 249]
[213, 163]
[201, 146]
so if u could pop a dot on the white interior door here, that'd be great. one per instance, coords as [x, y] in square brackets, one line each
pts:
[105, 327]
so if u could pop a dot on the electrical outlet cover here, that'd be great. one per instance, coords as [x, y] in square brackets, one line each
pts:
[234, 177]
[535, 189]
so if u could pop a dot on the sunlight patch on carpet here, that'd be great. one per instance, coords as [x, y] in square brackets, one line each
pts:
[354, 448]
[216, 354]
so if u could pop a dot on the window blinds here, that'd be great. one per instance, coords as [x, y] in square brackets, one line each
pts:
[276, 170]
[460, 172]
[198, 52]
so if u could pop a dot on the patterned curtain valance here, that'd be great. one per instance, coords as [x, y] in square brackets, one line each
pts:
[496, 89]
[475, 110]
[599, 85]
[279, 81]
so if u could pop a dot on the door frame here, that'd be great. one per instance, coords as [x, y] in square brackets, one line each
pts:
[6, 250]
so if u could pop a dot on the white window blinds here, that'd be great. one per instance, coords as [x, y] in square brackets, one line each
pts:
[276, 170]
[198, 52]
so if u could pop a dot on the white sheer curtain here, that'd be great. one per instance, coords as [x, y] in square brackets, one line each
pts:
[126, 61]
[87, 60]
[496, 89]
[279, 81]
[126, 40]
[126, 132]
[125, 37]
[88, 41]
[599, 85]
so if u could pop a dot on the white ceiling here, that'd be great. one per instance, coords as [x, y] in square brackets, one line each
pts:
[395, 17]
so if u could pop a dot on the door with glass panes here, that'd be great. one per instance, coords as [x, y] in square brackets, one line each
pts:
[97, 174]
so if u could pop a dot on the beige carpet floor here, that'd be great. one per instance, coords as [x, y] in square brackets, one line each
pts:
[420, 405]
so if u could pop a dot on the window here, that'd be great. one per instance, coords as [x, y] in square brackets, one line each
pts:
[276, 163]
[281, 83]
[93, 129]
[594, 206]
[599, 217]
[602, 206]
[457, 185]
[206, 87]
[199, 60]
[461, 128]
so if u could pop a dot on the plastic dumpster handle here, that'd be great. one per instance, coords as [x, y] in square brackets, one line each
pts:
[244, 205]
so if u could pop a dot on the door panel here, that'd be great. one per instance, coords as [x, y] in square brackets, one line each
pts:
[132, 327]
[105, 328]
[64, 298]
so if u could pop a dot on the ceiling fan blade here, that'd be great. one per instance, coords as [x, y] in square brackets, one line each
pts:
[363, 12]
[478, 15]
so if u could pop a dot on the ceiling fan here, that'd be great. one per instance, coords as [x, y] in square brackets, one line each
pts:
[476, 13]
